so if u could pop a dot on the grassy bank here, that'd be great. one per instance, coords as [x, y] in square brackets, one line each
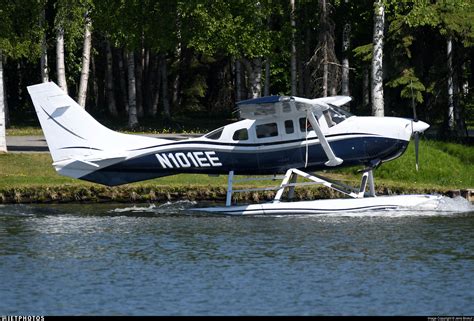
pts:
[28, 178]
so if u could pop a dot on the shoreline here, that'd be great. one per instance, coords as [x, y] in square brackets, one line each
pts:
[28, 177]
[154, 193]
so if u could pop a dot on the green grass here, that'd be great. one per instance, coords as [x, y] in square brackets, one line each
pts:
[441, 165]
[30, 177]
[34, 169]
[190, 122]
[24, 131]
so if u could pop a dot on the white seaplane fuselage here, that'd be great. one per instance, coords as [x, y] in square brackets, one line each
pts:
[276, 133]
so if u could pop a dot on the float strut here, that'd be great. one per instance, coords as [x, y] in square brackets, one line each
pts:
[230, 181]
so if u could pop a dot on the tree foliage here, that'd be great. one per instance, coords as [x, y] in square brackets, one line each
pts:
[200, 42]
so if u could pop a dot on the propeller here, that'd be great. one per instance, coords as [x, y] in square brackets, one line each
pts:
[416, 134]
[417, 127]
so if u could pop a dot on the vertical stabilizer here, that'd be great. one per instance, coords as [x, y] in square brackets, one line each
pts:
[78, 142]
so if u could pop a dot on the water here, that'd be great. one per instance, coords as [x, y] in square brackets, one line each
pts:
[118, 259]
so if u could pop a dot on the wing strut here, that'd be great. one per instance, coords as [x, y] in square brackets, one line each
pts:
[333, 160]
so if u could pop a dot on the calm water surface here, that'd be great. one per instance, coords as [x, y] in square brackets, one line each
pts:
[165, 260]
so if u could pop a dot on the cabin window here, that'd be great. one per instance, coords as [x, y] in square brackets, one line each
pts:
[289, 127]
[305, 124]
[216, 134]
[267, 130]
[241, 134]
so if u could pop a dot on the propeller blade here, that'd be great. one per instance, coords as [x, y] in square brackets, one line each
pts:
[417, 142]
[417, 127]
[415, 117]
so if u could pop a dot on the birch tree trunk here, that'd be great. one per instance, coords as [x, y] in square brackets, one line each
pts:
[5, 100]
[96, 94]
[365, 87]
[449, 52]
[254, 71]
[293, 48]
[109, 79]
[86, 55]
[346, 38]
[164, 87]
[377, 60]
[306, 74]
[139, 83]
[123, 80]
[238, 81]
[179, 52]
[60, 67]
[3, 142]
[460, 124]
[148, 82]
[457, 75]
[132, 103]
[44, 50]
[325, 50]
[345, 77]
[266, 90]
[176, 84]
[156, 76]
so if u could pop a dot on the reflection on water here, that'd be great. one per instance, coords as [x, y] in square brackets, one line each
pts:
[162, 259]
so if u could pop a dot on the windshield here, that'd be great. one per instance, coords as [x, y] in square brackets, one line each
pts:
[335, 115]
[342, 111]
[338, 114]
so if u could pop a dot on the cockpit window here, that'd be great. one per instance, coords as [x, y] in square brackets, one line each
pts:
[215, 134]
[241, 134]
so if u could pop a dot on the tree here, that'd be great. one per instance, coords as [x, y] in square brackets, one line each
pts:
[60, 66]
[86, 55]
[19, 37]
[326, 73]
[346, 38]
[293, 48]
[123, 23]
[454, 20]
[109, 80]
[44, 48]
[132, 102]
[235, 29]
[164, 87]
[3, 142]
[377, 60]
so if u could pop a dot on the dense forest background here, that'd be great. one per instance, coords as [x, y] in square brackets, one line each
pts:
[142, 63]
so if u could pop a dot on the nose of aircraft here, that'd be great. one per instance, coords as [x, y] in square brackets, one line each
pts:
[419, 126]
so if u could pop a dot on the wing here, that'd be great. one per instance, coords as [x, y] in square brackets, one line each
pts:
[275, 106]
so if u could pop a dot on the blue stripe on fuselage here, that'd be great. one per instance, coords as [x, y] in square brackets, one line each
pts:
[179, 159]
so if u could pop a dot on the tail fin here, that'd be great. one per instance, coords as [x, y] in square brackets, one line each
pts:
[75, 139]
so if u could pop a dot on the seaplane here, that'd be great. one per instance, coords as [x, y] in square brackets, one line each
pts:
[285, 137]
